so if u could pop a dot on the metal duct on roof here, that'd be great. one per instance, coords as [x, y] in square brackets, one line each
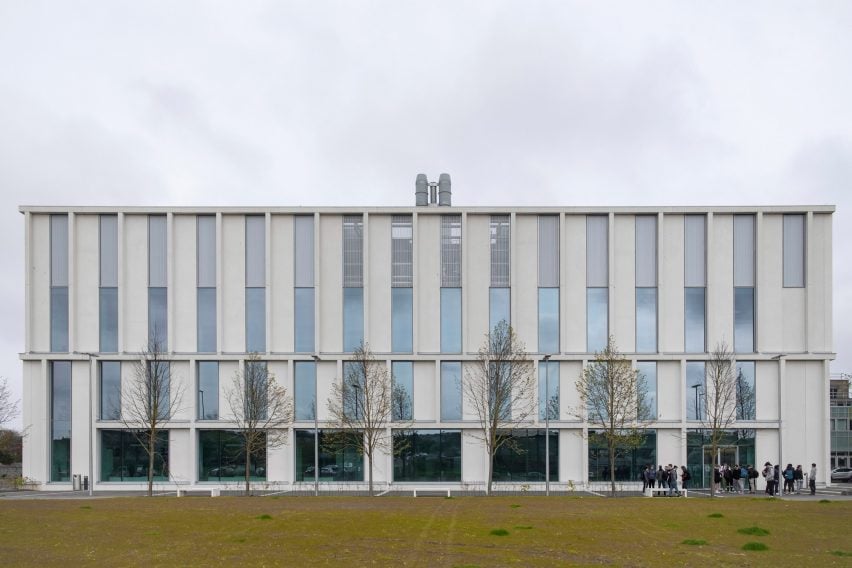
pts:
[421, 185]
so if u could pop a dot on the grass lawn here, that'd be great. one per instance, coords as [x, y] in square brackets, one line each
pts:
[428, 531]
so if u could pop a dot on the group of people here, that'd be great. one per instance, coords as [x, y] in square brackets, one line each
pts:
[666, 477]
[793, 479]
[733, 479]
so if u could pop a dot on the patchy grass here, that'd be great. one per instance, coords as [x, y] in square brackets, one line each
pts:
[264, 517]
[825, 500]
[753, 531]
[715, 516]
[499, 532]
[840, 553]
[694, 542]
[401, 531]
[755, 546]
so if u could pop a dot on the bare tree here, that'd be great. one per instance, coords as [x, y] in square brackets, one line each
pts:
[8, 406]
[261, 410]
[151, 401]
[364, 403]
[613, 401]
[500, 389]
[718, 400]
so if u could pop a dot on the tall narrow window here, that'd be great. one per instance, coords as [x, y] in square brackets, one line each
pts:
[402, 318]
[794, 251]
[108, 292]
[59, 283]
[548, 390]
[746, 396]
[158, 332]
[548, 284]
[402, 395]
[648, 383]
[353, 382]
[451, 291]
[206, 283]
[451, 391]
[305, 390]
[208, 390]
[110, 388]
[304, 278]
[256, 385]
[646, 283]
[501, 262]
[255, 284]
[353, 282]
[60, 420]
[597, 282]
[695, 283]
[744, 283]
[696, 389]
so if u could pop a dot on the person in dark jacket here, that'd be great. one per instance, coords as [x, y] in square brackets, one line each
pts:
[789, 472]
[799, 477]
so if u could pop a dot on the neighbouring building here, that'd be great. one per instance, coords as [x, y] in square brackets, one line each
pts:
[841, 421]
[304, 286]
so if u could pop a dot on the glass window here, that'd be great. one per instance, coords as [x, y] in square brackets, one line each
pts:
[108, 321]
[338, 457]
[743, 250]
[304, 320]
[548, 251]
[522, 458]
[695, 390]
[110, 390]
[353, 378]
[157, 251]
[548, 390]
[694, 250]
[648, 382]
[451, 391]
[304, 251]
[353, 318]
[451, 251]
[427, 455]
[255, 320]
[160, 375]
[158, 331]
[737, 447]
[646, 320]
[255, 251]
[694, 320]
[746, 399]
[205, 226]
[256, 381]
[403, 390]
[402, 323]
[59, 319]
[222, 457]
[108, 236]
[597, 251]
[305, 390]
[208, 390]
[597, 319]
[629, 463]
[499, 307]
[451, 320]
[60, 420]
[353, 251]
[401, 251]
[548, 320]
[206, 320]
[501, 240]
[794, 251]
[124, 456]
[744, 320]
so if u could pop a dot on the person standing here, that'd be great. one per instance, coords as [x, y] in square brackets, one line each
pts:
[789, 473]
[685, 476]
[798, 476]
[769, 475]
[652, 476]
[812, 479]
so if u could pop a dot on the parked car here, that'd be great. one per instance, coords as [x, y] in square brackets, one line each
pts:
[841, 474]
[333, 469]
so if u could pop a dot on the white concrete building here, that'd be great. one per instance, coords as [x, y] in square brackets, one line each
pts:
[421, 285]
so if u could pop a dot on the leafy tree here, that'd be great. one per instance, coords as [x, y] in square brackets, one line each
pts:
[261, 410]
[613, 401]
[499, 387]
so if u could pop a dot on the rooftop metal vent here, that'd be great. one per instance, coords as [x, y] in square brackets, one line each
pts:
[430, 193]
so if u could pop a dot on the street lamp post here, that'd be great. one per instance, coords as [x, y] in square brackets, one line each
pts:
[547, 424]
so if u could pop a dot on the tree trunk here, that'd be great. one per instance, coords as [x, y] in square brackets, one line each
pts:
[151, 447]
[490, 472]
[248, 470]
[713, 450]
[370, 474]
[611, 467]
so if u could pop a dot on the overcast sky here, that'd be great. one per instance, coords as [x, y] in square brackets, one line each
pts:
[326, 103]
